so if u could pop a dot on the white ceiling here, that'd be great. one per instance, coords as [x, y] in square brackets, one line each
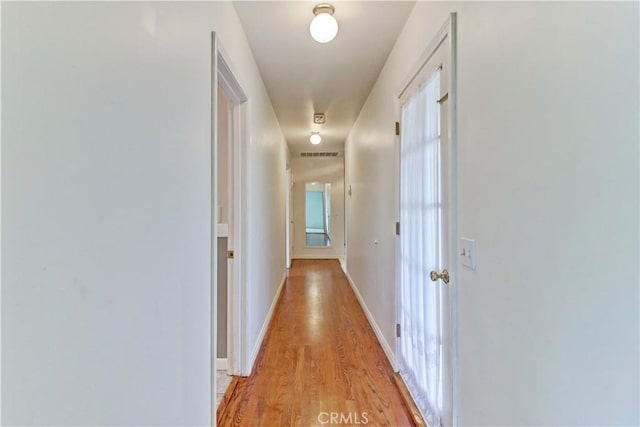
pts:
[303, 76]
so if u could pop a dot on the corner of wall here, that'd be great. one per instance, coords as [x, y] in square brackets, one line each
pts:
[265, 326]
[0, 318]
[388, 351]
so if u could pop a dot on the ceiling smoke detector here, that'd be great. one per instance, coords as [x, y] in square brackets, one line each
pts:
[318, 119]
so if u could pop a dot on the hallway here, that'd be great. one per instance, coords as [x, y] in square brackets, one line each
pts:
[320, 356]
[155, 160]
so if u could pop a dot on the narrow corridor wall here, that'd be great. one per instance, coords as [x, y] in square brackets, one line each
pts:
[106, 209]
[548, 186]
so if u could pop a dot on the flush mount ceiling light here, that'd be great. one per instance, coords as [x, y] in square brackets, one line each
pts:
[315, 138]
[324, 26]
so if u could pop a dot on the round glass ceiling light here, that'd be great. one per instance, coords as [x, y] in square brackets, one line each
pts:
[324, 26]
[315, 138]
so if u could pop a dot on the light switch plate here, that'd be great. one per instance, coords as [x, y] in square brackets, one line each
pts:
[468, 253]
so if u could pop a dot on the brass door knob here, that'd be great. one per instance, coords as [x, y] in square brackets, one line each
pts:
[444, 276]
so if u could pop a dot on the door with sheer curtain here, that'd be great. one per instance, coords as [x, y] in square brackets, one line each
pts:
[424, 344]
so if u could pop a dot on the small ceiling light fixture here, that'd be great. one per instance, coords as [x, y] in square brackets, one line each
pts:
[315, 138]
[324, 26]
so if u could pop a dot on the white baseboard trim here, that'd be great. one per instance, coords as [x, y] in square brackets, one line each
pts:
[315, 256]
[376, 329]
[221, 364]
[265, 325]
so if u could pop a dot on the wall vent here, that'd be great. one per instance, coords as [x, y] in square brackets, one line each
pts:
[320, 154]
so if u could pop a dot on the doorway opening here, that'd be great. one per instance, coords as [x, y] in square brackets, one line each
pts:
[228, 221]
[318, 214]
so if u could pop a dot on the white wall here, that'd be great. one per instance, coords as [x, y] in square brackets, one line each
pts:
[326, 170]
[223, 157]
[548, 186]
[266, 235]
[106, 210]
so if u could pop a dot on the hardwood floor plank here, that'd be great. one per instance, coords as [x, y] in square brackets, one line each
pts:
[320, 363]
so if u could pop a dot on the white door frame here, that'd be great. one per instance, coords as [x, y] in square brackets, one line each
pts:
[288, 217]
[237, 348]
[447, 35]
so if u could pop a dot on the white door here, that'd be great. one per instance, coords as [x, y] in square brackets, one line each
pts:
[425, 345]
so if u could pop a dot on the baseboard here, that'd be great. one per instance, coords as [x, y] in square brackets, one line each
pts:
[409, 403]
[221, 364]
[265, 325]
[376, 329]
[315, 256]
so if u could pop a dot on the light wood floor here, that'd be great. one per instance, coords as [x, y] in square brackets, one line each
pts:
[320, 356]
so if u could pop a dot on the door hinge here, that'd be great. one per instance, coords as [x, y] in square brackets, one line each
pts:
[398, 330]
[397, 128]
[397, 228]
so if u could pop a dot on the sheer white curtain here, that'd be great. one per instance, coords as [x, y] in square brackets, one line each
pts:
[420, 248]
